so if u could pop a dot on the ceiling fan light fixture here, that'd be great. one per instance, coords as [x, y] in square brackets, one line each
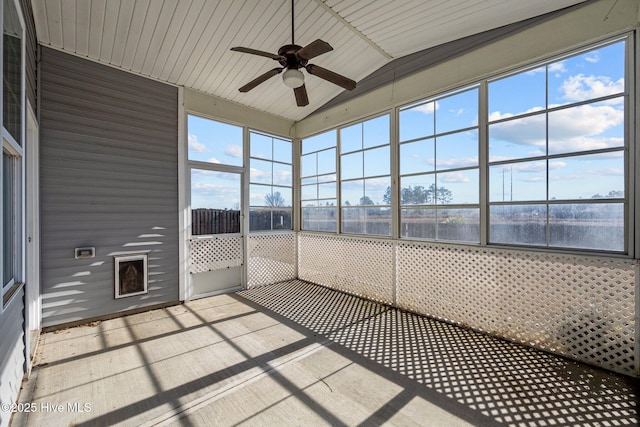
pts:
[293, 78]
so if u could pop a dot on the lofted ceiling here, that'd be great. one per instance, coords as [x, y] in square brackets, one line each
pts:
[187, 42]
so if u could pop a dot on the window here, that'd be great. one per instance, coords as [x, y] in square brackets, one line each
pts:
[318, 186]
[215, 163]
[270, 183]
[439, 168]
[365, 177]
[537, 158]
[12, 72]
[12, 151]
[215, 202]
[214, 142]
[557, 153]
[9, 229]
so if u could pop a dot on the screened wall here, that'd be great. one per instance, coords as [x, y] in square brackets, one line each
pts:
[505, 204]
[240, 188]
[494, 190]
[546, 168]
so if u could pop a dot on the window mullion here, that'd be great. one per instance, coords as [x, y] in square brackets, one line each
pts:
[483, 161]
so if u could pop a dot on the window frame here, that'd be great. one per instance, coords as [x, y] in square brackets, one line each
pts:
[436, 207]
[14, 149]
[340, 179]
[627, 150]
[213, 167]
[332, 179]
[251, 208]
[631, 241]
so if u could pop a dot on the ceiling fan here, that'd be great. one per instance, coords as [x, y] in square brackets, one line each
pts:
[292, 58]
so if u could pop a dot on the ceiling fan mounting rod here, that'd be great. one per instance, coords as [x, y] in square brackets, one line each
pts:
[292, 24]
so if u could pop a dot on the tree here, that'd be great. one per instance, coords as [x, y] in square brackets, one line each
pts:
[366, 200]
[418, 195]
[443, 195]
[274, 200]
[386, 198]
[615, 194]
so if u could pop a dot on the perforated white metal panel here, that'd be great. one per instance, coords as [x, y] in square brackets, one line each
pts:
[215, 253]
[579, 306]
[271, 258]
[359, 266]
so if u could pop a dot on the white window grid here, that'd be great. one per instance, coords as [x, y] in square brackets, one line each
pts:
[482, 84]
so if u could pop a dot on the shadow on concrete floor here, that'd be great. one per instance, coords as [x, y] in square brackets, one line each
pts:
[481, 378]
[295, 353]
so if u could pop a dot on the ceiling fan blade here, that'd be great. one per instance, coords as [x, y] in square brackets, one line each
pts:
[332, 77]
[260, 79]
[314, 49]
[301, 96]
[256, 52]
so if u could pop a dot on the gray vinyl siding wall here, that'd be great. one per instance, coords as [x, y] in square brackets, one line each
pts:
[109, 180]
[31, 52]
[11, 353]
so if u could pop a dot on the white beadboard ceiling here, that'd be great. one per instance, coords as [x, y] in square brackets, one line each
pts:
[187, 42]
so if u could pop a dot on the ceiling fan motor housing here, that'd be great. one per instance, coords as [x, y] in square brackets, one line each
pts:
[289, 58]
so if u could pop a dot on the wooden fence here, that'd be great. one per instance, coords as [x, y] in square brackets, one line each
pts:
[220, 221]
[214, 221]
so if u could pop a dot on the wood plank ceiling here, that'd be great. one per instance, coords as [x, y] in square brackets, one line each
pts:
[186, 42]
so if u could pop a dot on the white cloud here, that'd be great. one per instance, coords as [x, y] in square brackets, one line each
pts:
[195, 145]
[581, 87]
[572, 129]
[257, 175]
[217, 190]
[207, 187]
[457, 162]
[282, 178]
[556, 164]
[213, 160]
[234, 151]
[529, 167]
[558, 68]
[524, 131]
[453, 178]
[497, 115]
[584, 175]
[530, 171]
[377, 183]
[538, 70]
[427, 108]
[429, 161]
[593, 58]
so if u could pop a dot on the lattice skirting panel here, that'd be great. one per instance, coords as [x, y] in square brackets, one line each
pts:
[582, 307]
[362, 267]
[215, 253]
[579, 306]
[271, 258]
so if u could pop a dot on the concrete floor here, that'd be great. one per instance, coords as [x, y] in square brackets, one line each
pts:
[300, 354]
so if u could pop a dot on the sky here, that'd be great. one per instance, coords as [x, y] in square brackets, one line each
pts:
[517, 133]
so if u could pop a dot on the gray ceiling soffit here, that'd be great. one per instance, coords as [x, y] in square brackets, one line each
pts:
[410, 64]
